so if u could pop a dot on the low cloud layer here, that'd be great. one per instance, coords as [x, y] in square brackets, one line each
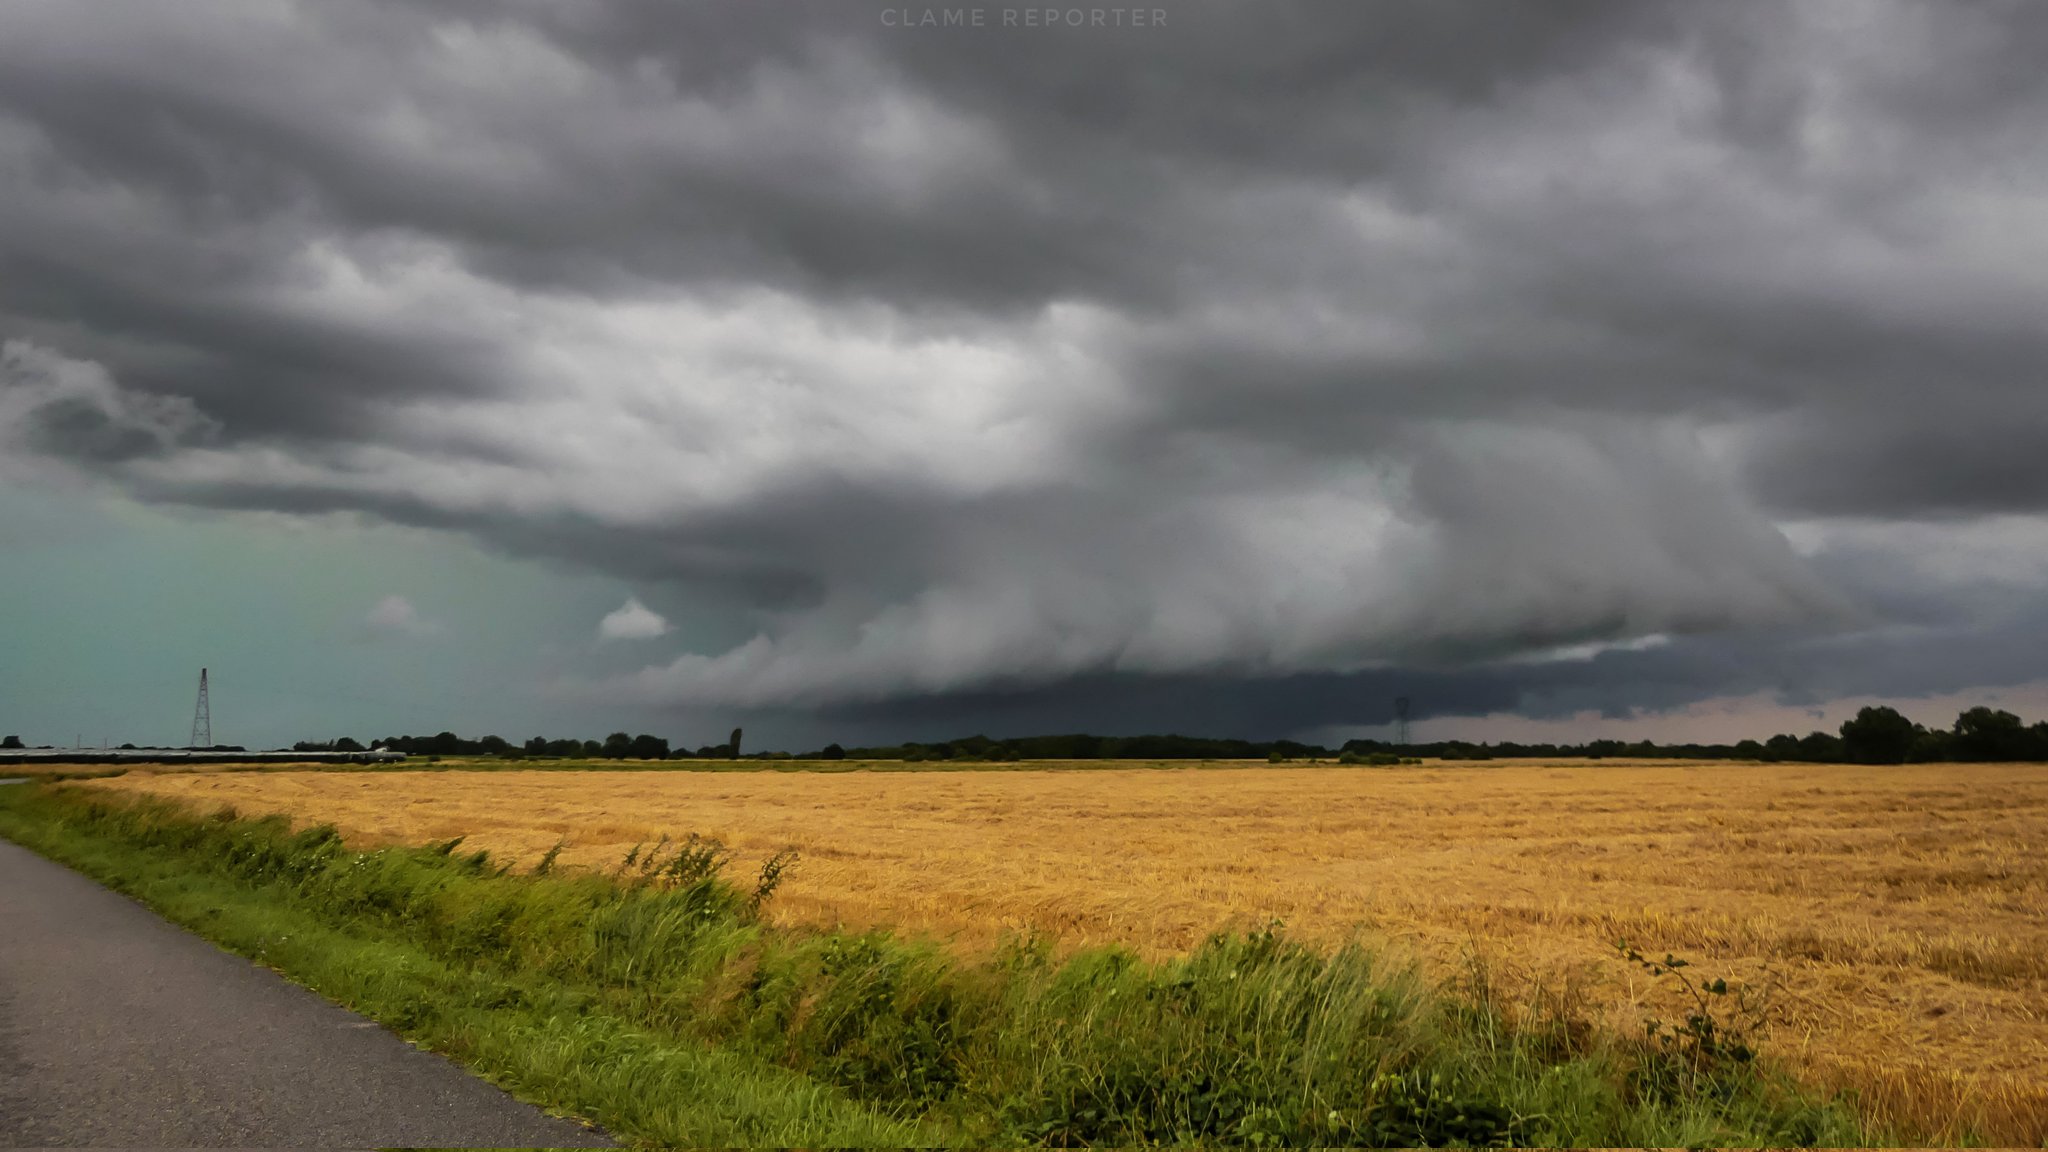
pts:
[1608, 355]
[396, 616]
[632, 621]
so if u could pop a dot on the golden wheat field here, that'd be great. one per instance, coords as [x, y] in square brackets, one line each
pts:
[1896, 917]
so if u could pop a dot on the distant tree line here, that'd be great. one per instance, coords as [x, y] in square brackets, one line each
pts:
[14, 744]
[1876, 735]
[1081, 746]
[1883, 736]
[617, 746]
[621, 746]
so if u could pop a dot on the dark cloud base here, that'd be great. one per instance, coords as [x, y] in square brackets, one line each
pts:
[1614, 684]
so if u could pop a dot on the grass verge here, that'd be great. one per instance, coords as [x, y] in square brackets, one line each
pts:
[656, 1002]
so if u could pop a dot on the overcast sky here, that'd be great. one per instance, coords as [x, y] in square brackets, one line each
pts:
[1566, 366]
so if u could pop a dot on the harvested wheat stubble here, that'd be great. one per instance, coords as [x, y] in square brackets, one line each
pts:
[1899, 913]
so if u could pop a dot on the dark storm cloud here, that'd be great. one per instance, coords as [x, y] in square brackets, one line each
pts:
[1964, 455]
[1274, 343]
[1796, 671]
[711, 141]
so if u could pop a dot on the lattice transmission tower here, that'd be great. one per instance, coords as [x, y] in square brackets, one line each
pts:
[1401, 721]
[202, 717]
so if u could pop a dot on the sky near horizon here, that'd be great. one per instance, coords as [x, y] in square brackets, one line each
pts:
[1575, 368]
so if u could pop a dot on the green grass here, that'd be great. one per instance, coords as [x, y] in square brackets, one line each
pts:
[246, 887]
[656, 1003]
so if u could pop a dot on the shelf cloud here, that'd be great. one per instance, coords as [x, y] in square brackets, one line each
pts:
[1583, 354]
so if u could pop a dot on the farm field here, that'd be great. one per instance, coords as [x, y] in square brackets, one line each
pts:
[1897, 916]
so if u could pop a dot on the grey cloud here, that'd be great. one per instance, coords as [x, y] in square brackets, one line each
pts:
[53, 406]
[741, 143]
[1283, 341]
[1962, 456]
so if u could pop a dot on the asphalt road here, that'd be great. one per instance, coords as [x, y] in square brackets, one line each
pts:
[118, 1028]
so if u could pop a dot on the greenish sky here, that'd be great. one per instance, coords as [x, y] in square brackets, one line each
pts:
[112, 608]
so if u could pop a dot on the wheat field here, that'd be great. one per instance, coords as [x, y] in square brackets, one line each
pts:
[1894, 920]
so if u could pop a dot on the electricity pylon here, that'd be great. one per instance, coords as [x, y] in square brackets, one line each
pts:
[202, 717]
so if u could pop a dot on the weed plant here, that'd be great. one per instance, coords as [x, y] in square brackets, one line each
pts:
[822, 1037]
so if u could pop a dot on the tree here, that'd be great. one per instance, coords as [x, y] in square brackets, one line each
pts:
[832, 752]
[1820, 748]
[1878, 736]
[1783, 746]
[347, 744]
[1749, 750]
[1988, 734]
[733, 746]
[1933, 746]
[617, 746]
[645, 747]
[11, 742]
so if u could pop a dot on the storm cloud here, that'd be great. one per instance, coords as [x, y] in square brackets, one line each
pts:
[1530, 357]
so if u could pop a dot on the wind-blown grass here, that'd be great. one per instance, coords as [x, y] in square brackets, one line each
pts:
[654, 1001]
[1899, 914]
